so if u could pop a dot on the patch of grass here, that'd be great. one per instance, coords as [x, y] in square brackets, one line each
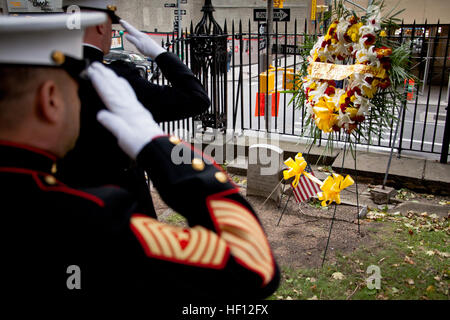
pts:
[413, 266]
[176, 219]
[317, 204]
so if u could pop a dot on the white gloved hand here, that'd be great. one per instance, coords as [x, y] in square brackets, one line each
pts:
[126, 118]
[143, 42]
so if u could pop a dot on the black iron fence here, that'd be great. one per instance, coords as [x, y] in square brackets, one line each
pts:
[247, 102]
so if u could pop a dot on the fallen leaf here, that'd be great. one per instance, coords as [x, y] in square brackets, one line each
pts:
[312, 280]
[314, 287]
[338, 276]
[430, 253]
[430, 289]
[443, 254]
[410, 232]
[410, 282]
[394, 290]
[437, 278]
[409, 260]
[289, 298]
[313, 298]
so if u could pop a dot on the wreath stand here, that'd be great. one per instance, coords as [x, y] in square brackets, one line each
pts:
[335, 205]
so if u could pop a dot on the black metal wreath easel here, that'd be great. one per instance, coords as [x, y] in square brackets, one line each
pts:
[335, 205]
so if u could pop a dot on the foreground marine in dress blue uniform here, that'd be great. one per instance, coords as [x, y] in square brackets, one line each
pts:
[51, 231]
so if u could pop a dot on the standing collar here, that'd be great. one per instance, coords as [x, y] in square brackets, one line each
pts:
[16, 155]
[92, 53]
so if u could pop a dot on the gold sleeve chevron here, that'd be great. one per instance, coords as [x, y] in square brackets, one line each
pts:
[193, 246]
[245, 237]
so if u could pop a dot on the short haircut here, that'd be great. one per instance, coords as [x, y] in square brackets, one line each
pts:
[17, 83]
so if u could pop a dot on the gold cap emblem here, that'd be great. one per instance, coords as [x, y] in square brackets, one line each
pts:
[50, 180]
[198, 164]
[54, 168]
[174, 139]
[111, 8]
[221, 177]
[58, 57]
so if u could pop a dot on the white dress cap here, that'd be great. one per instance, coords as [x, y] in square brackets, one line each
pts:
[34, 40]
[108, 6]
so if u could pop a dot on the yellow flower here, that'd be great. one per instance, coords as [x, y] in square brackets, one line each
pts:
[383, 33]
[353, 31]
[332, 187]
[351, 112]
[369, 92]
[325, 118]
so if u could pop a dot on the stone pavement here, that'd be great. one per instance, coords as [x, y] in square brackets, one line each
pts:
[405, 172]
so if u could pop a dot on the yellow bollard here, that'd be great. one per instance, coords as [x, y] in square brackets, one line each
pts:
[288, 79]
[267, 81]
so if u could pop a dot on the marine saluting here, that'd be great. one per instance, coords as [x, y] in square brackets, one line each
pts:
[101, 232]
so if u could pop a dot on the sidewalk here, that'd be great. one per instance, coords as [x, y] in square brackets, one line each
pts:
[405, 172]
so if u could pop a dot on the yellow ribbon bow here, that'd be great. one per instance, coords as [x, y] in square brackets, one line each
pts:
[332, 186]
[297, 168]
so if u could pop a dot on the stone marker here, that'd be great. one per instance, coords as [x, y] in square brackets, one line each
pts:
[264, 171]
[382, 196]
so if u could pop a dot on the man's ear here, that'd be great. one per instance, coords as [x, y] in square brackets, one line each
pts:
[100, 29]
[50, 102]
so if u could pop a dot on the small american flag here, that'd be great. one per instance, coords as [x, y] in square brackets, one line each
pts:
[306, 188]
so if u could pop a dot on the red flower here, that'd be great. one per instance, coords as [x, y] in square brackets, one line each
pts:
[336, 128]
[351, 127]
[360, 118]
[386, 62]
[370, 39]
[330, 91]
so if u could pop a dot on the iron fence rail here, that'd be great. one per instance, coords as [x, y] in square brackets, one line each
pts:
[423, 127]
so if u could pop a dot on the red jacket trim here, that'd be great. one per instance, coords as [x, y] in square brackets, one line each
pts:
[29, 148]
[59, 188]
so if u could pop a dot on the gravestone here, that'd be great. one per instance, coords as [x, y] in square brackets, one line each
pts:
[264, 171]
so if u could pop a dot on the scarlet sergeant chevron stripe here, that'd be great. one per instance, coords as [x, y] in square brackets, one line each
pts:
[306, 188]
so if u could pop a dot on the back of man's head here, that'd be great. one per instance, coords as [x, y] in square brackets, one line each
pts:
[39, 105]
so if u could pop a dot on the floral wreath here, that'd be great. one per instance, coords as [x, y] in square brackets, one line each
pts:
[350, 39]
